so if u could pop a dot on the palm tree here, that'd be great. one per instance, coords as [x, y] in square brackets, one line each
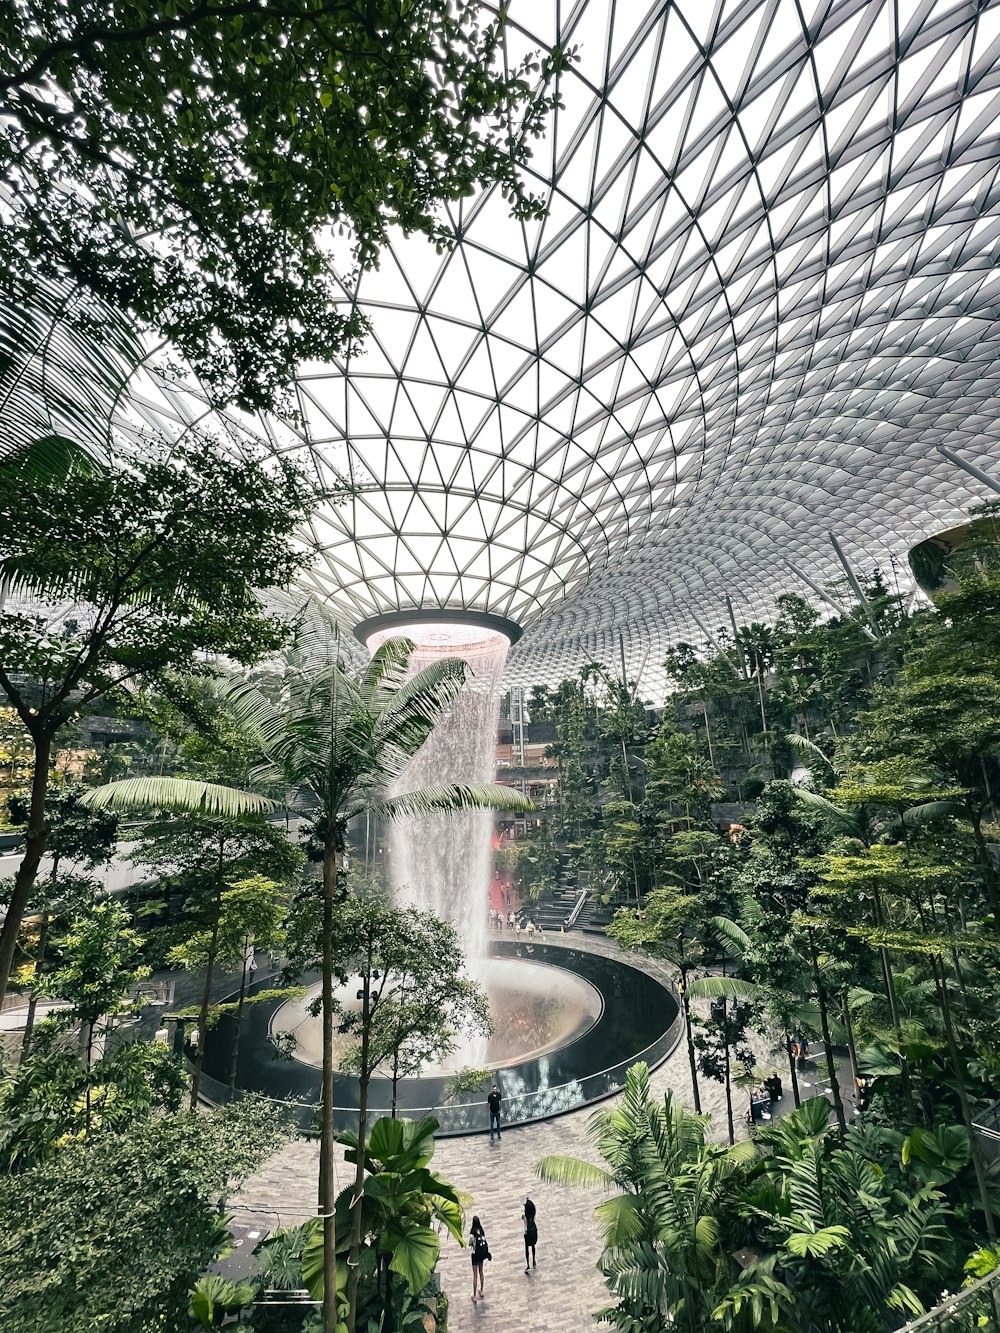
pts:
[663, 1258]
[341, 742]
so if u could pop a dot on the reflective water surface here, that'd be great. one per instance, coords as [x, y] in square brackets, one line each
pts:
[566, 1057]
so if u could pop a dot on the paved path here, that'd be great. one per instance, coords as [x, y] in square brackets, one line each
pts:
[566, 1288]
[563, 1292]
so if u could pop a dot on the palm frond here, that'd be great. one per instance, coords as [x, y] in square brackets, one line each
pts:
[930, 810]
[729, 933]
[458, 796]
[841, 818]
[179, 794]
[573, 1171]
[811, 755]
[65, 359]
[729, 988]
[388, 664]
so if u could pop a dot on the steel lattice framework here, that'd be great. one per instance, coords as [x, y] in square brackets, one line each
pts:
[764, 296]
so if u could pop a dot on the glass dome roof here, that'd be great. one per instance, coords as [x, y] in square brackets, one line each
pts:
[765, 295]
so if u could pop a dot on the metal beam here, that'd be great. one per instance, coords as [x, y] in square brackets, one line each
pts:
[858, 592]
[969, 468]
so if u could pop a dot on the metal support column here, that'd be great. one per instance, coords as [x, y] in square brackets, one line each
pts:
[853, 581]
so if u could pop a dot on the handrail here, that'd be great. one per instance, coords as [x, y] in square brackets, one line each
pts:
[577, 909]
[979, 1303]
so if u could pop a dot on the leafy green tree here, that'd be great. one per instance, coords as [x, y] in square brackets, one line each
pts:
[233, 140]
[251, 915]
[341, 742]
[670, 926]
[44, 1099]
[160, 556]
[112, 1233]
[98, 966]
[75, 833]
[415, 995]
[206, 854]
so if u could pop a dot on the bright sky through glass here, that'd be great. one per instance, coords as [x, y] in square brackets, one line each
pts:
[765, 291]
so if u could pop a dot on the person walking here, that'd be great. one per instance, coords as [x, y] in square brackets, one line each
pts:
[510, 918]
[480, 1248]
[530, 1234]
[493, 1102]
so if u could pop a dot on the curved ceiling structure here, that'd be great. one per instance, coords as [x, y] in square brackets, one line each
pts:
[765, 293]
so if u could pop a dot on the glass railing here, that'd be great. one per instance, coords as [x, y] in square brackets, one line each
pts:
[472, 1117]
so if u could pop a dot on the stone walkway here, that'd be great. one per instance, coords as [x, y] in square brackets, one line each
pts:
[566, 1288]
[564, 1291]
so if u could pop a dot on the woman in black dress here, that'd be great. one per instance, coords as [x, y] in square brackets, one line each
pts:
[530, 1234]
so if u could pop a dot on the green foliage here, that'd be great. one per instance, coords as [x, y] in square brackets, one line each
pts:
[43, 1100]
[233, 141]
[112, 1233]
[213, 1298]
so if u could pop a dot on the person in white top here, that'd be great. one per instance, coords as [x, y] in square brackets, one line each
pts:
[530, 928]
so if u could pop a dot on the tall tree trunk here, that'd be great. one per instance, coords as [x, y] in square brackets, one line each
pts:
[690, 1042]
[357, 1199]
[890, 990]
[206, 993]
[708, 734]
[234, 1056]
[791, 1069]
[729, 1085]
[963, 1096]
[824, 1018]
[327, 1187]
[29, 1022]
[852, 1049]
[34, 847]
[388, 1298]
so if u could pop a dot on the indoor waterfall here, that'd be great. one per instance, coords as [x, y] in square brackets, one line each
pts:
[443, 863]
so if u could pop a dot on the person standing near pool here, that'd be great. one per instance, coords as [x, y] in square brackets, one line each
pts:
[493, 1102]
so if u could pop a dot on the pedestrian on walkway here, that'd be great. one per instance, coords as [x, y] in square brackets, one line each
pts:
[493, 1102]
[530, 1233]
[480, 1248]
[510, 918]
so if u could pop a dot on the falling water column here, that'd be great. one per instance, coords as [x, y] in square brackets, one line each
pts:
[443, 863]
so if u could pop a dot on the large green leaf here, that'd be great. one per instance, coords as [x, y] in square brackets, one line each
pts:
[730, 988]
[945, 1149]
[179, 794]
[458, 796]
[312, 1262]
[815, 1244]
[414, 1249]
[449, 1213]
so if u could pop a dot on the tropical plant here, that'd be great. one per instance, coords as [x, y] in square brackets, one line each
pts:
[147, 563]
[341, 742]
[403, 1203]
[664, 1256]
